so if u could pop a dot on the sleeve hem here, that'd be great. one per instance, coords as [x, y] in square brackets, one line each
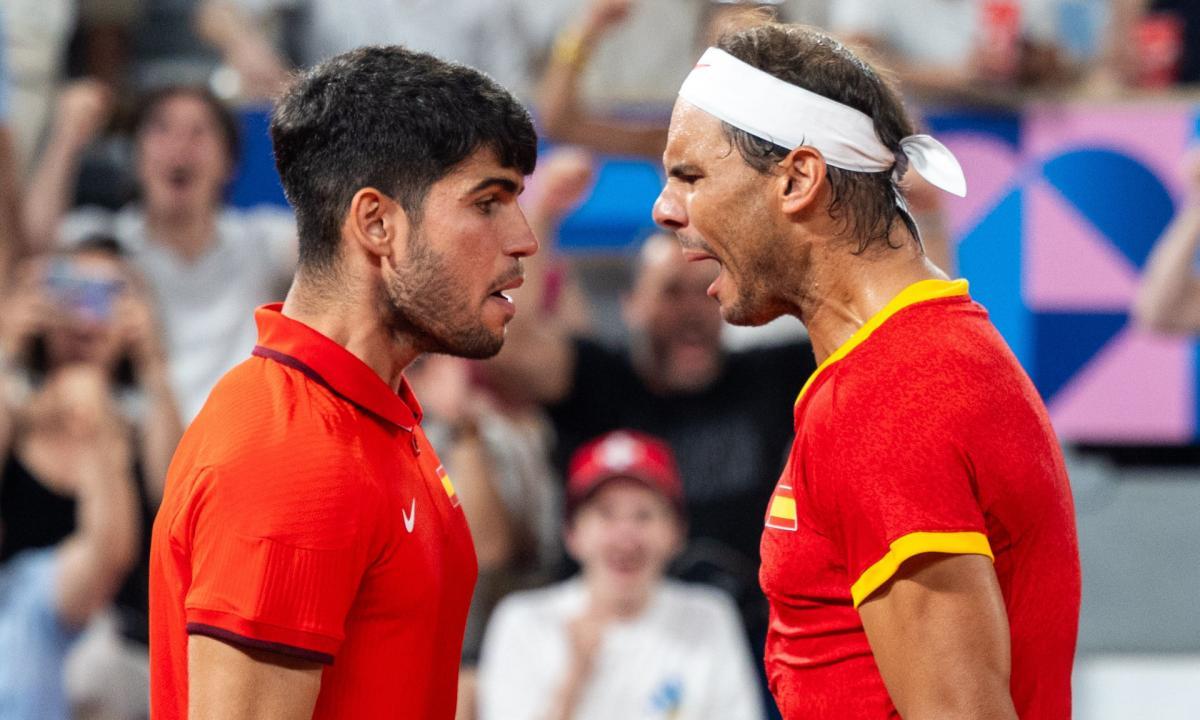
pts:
[262, 636]
[911, 545]
[243, 641]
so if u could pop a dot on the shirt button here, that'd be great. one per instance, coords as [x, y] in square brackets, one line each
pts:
[415, 444]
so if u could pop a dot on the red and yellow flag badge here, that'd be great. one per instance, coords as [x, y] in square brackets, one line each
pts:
[447, 485]
[781, 513]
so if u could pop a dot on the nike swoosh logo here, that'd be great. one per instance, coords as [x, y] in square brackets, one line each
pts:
[410, 517]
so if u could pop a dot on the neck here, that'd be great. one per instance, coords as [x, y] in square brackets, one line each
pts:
[846, 290]
[190, 233]
[349, 315]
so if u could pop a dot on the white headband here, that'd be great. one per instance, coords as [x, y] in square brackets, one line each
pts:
[790, 116]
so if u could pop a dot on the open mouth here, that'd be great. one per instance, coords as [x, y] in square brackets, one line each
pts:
[180, 177]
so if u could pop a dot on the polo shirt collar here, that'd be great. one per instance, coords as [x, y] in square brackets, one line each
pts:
[292, 343]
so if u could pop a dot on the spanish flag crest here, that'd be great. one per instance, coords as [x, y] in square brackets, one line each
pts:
[781, 513]
[447, 485]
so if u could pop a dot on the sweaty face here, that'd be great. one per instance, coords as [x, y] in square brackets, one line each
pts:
[182, 160]
[447, 287]
[719, 208]
[624, 536]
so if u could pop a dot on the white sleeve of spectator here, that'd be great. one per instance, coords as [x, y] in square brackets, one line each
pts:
[735, 689]
[508, 689]
[856, 17]
[82, 223]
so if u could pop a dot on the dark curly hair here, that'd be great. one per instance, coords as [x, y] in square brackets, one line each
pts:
[389, 118]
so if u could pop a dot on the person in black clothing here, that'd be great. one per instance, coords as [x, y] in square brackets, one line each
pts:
[83, 311]
[726, 415]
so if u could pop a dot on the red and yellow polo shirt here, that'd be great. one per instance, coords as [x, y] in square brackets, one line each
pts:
[921, 434]
[306, 513]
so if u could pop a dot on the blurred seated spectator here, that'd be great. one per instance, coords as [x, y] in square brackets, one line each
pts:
[960, 50]
[1168, 299]
[79, 329]
[619, 640]
[727, 415]
[501, 37]
[48, 594]
[209, 265]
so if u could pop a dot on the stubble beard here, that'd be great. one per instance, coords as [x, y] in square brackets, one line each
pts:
[425, 303]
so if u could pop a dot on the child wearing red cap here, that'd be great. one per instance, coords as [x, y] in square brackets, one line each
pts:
[619, 640]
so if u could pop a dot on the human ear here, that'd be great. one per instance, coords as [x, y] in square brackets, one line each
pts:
[375, 222]
[799, 183]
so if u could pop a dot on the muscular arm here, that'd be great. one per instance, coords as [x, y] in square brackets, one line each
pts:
[1168, 299]
[939, 632]
[232, 683]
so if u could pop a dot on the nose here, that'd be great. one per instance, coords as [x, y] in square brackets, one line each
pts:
[523, 242]
[669, 210]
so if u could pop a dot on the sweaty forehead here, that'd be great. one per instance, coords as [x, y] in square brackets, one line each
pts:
[694, 136]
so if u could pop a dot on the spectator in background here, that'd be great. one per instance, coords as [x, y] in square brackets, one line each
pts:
[48, 594]
[209, 265]
[1168, 299]
[974, 50]
[82, 314]
[619, 641]
[501, 37]
[726, 415]
[38, 34]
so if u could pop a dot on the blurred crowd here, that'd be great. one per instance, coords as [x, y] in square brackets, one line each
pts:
[615, 493]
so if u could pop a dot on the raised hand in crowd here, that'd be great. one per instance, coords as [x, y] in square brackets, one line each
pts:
[84, 110]
[559, 106]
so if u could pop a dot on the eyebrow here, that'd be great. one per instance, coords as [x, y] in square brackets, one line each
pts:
[504, 183]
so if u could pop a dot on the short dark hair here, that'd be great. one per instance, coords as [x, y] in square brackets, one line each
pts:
[389, 118]
[227, 123]
[812, 60]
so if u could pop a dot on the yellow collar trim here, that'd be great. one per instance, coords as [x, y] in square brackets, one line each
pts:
[916, 293]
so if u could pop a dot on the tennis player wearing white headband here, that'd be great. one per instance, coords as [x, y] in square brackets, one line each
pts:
[919, 551]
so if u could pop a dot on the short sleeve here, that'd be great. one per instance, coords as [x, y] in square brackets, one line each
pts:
[856, 17]
[892, 481]
[276, 562]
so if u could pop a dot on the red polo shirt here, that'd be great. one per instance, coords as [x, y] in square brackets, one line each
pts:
[306, 513]
[921, 434]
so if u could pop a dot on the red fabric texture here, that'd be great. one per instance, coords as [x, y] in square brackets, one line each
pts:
[928, 426]
[304, 513]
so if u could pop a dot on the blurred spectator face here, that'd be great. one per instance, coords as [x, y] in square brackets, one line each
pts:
[183, 158]
[669, 309]
[720, 208]
[84, 292]
[624, 536]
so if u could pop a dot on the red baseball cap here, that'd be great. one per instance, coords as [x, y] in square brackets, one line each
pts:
[623, 454]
